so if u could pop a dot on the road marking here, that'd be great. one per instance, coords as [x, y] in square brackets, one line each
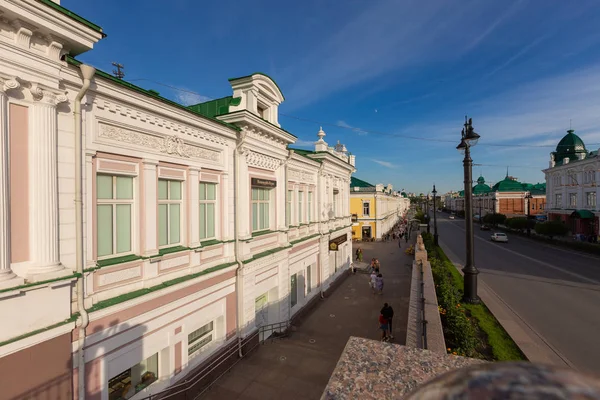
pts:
[535, 260]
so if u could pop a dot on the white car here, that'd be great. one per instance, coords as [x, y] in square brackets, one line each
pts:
[499, 237]
[451, 217]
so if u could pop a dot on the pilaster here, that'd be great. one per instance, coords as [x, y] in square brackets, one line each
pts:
[150, 199]
[243, 192]
[88, 201]
[7, 277]
[194, 234]
[43, 226]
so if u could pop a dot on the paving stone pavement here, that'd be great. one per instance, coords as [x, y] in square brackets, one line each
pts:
[299, 367]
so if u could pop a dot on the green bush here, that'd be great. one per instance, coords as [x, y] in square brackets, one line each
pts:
[551, 229]
[519, 223]
[494, 219]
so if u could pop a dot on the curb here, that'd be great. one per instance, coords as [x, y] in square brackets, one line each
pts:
[533, 345]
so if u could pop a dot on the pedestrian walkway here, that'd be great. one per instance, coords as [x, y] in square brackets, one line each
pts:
[299, 367]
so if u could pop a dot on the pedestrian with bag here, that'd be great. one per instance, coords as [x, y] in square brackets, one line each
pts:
[388, 313]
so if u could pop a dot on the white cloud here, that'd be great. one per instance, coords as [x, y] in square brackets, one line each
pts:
[343, 124]
[385, 163]
[188, 97]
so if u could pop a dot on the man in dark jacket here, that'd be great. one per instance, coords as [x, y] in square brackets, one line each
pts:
[388, 313]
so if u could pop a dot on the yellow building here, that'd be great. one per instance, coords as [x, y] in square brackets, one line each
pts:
[375, 209]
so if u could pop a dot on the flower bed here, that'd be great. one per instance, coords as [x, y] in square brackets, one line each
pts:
[469, 329]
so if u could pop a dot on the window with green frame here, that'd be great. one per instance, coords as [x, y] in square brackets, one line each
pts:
[261, 200]
[208, 200]
[169, 212]
[114, 215]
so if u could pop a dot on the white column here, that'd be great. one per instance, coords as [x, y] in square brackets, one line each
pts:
[43, 226]
[243, 189]
[150, 208]
[7, 277]
[194, 207]
[223, 223]
[89, 210]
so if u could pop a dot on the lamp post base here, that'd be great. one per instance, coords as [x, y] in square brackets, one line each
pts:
[435, 239]
[470, 287]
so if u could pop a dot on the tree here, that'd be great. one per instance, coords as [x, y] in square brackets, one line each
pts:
[519, 223]
[420, 215]
[494, 219]
[551, 229]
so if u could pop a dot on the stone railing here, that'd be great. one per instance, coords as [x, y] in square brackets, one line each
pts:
[424, 329]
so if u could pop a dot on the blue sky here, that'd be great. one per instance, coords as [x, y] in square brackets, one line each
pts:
[392, 80]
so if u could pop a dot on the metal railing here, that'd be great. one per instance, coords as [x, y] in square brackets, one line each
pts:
[185, 389]
[423, 320]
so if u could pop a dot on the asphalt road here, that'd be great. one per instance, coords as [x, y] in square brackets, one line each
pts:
[556, 291]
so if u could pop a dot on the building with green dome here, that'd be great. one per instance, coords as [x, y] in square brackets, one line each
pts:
[506, 196]
[572, 179]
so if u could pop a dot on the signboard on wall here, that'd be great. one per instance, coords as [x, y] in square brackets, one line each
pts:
[263, 183]
[334, 243]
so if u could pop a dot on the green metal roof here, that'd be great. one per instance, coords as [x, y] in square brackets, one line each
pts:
[481, 187]
[259, 73]
[214, 108]
[403, 194]
[150, 93]
[305, 153]
[72, 15]
[507, 185]
[570, 146]
[355, 182]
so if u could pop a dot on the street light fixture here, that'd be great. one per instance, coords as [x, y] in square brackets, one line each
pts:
[528, 196]
[435, 233]
[469, 138]
[427, 216]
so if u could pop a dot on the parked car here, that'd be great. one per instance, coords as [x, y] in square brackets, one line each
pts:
[499, 237]
[451, 216]
[484, 227]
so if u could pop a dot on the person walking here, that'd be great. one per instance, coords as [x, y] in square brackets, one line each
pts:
[357, 253]
[379, 284]
[383, 326]
[373, 281]
[360, 254]
[388, 313]
[377, 265]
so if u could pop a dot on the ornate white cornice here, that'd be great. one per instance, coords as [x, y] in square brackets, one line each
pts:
[263, 136]
[263, 161]
[171, 145]
[299, 175]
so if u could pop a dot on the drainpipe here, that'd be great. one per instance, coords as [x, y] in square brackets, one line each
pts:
[87, 72]
[319, 204]
[236, 225]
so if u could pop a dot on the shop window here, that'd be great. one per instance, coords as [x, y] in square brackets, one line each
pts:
[572, 199]
[208, 197]
[169, 212]
[591, 199]
[308, 279]
[133, 380]
[199, 338]
[114, 210]
[294, 290]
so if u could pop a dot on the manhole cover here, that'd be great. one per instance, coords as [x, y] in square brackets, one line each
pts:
[332, 315]
[282, 358]
[312, 341]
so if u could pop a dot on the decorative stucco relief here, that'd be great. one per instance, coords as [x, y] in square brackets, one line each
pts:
[171, 145]
[263, 137]
[159, 121]
[262, 161]
[302, 176]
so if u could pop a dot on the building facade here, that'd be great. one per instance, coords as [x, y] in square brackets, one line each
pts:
[572, 179]
[508, 197]
[141, 236]
[375, 209]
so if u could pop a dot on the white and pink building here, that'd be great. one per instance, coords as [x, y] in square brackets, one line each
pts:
[139, 237]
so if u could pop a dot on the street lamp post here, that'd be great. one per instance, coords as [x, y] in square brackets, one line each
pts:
[468, 139]
[427, 207]
[435, 233]
[528, 196]
[480, 216]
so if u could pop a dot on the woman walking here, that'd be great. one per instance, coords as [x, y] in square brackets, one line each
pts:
[379, 284]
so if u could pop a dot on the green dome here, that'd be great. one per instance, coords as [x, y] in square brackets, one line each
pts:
[481, 187]
[569, 146]
[508, 185]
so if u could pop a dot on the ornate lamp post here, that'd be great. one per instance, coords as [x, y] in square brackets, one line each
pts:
[528, 198]
[468, 139]
[427, 215]
[435, 234]
[480, 216]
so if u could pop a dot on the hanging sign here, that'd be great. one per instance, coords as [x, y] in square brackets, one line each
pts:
[334, 243]
[263, 183]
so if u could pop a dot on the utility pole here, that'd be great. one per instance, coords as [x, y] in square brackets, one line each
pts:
[118, 72]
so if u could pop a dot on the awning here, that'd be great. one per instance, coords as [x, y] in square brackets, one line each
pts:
[583, 214]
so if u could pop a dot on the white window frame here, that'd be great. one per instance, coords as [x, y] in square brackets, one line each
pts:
[259, 202]
[206, 202]
[558, 200]
[168, 201]
[368, 203]
[212, 333]
[591, 196]
[114, 202]
[572, 196]
[288, 204]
